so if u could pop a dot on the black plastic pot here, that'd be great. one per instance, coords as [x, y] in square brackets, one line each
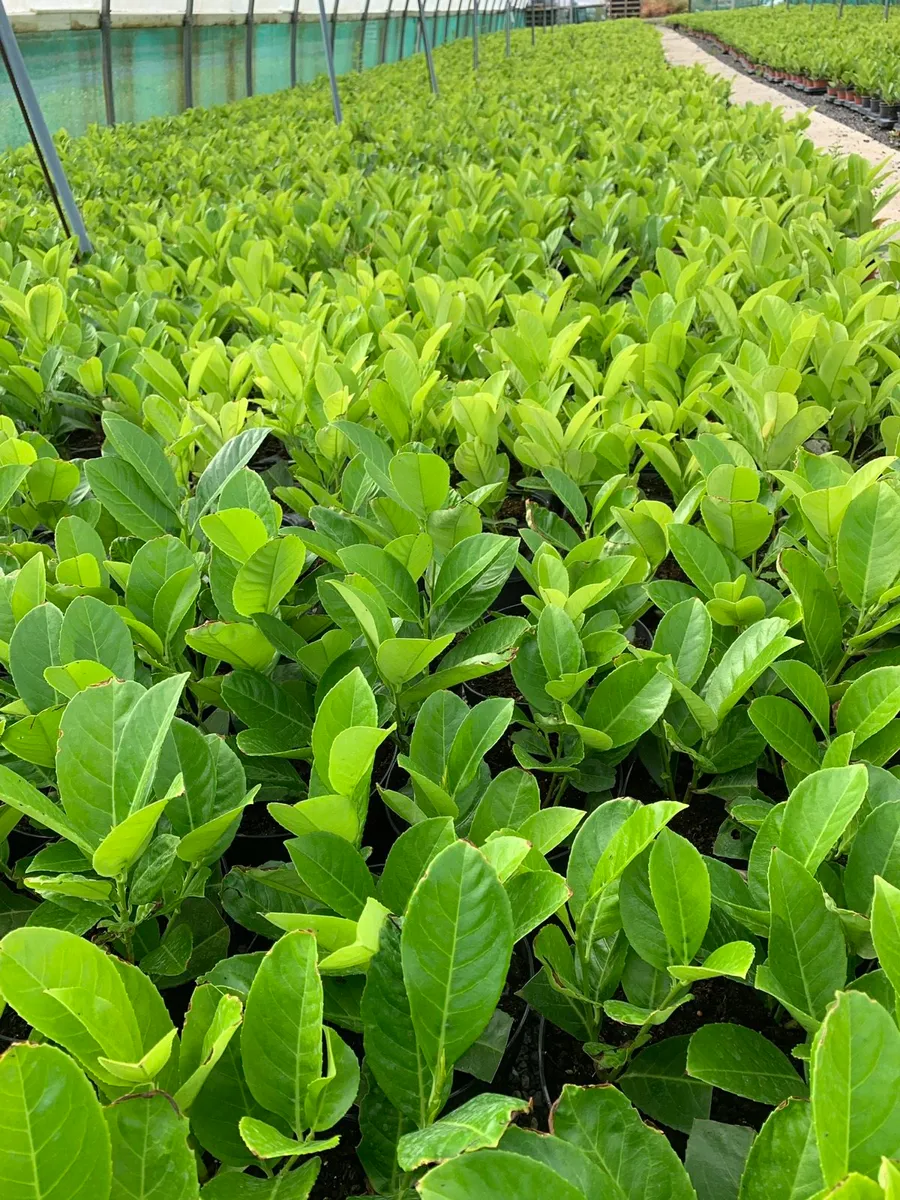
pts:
[888, 115]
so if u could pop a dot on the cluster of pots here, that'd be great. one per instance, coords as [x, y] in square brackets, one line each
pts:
[886, 115]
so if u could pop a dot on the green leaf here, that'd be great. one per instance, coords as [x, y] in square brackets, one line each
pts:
[783, 1163]
[868, 544]
[389, 575]
[48, 1104]
[348, 704]
[129, 499]
[110, 739]
[333, 871]
[742, 1061]
[402, 659]
[807, 954]
[473, 1126]
[224, 465]
[151, 1158]
[886, 930]
[456, 946]
[630, 838]
[818, 811]
[855, 1101]
[281, 1040]
[422, 481]
[558, 642]
[787, 731]
[286, 1185]
[240, 645]
[493, 1173]
[211, 1022]
[733, 958]
[127, 841]
[509, 799]
[633, 1159]
[869, 703]
[237, 532]
[875, 851]
[34, 645]
[70, 991]
[657, 1083]
[392, 1052]
[408, 858]
[749, 655]
[330, 1097]
[145, 455]
[154, 564]
[685, 634]
[92, 630]
[715, 1158]
[628, 701]
[482, 728]
[265, 1141]
[679, 884]
[264, 580]
[534, 896]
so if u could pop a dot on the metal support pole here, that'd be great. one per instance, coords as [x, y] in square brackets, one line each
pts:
[334, 14]
[248, 47]
[475, 37]
[329, 63]
[55, 176]
[295, 14]
[508, 29]
[187, 53]
[426, 42]
[887, 8]
[532, 15]
[384, 33]
[458, 20]
[362, 35]
[403, 31]
[106, 62]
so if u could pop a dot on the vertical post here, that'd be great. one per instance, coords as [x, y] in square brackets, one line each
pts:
[329, 62]
[447, 23]
[187, 53]
[57, 183]
[532, 16]
[887, 8]
[475, 37]
[334, 14]
[458, 20]
[385, 30]
[295, 12]
[508, 30]
[106, 61]
[426, 42]
[362, 35]
[248, 47]
[402, 53]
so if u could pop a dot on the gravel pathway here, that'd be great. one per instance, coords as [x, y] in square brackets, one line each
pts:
[824, 131]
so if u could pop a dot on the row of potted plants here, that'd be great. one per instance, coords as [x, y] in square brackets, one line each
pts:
[814, 50]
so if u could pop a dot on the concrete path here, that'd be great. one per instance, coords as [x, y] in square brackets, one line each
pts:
[826, 133]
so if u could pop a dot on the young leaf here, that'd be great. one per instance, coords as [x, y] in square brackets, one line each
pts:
[856, 1107]
[281, 1040]
[456, 946]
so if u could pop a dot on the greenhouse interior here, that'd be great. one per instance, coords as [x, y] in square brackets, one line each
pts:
[450, 600]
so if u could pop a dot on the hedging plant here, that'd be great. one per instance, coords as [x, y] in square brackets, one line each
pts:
[476, 500]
